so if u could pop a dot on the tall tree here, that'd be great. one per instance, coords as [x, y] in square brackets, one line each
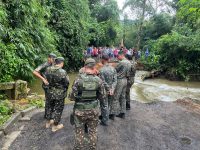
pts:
[142, 10]
[70, 21]
[105, 19]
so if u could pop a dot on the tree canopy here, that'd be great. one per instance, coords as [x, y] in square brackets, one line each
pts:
[30, 30]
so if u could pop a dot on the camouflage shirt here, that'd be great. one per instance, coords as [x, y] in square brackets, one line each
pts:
[108, 75]
[57, 77]
[133, 69]
[77, 83]
[123, 69]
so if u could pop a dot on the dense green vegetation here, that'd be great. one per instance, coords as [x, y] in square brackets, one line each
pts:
[29, 30]
[173, 40]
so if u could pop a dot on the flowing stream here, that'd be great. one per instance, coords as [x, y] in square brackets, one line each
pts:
[162, 89]
[147, 91]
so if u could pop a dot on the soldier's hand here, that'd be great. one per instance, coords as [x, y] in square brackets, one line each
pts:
[45, 82]
[111, 92]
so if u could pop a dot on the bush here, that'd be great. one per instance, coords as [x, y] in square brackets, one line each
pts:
[37, 102]
[177, 52]
[6, 109]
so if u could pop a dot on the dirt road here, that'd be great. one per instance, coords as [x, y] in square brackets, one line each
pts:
[157, 126]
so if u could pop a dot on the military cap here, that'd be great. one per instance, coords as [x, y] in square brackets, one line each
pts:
[52, 55]
[105, 57]
[60, 59]
[90, 61]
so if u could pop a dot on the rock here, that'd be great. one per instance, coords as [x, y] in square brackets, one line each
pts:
[24, 119]
[24, 112]
[21, 90]
[192, 105]
[15, 90]
[152, 74]
[1, 134]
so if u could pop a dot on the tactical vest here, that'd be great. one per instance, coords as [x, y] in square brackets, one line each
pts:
[88, 86]
[55, 79]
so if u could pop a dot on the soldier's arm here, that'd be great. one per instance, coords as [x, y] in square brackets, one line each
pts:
[74, 92]
[114, 80]
[66, 81]
[36, 72]
[101, 91]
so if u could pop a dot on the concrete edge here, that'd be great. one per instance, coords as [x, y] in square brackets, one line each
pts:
[1, 134]
[5, 128]
[26, 111]
[10, 122]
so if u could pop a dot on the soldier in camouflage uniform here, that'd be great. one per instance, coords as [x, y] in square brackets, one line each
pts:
[86, 91]
[40, 73]
[119, 100]
[108, 75]
[56, 93]
[130, 81]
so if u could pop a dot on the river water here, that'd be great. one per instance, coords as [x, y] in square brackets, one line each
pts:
[162, 89]
[147, 91]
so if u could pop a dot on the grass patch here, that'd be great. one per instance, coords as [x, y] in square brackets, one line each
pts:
[6, 110]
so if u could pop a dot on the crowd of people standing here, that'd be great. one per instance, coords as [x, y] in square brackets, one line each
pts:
[112, 52]
[99, 93]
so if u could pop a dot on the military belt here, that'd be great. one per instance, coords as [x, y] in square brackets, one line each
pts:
[86, 105]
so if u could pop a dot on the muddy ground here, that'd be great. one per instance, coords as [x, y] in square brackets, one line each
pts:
[156, 126]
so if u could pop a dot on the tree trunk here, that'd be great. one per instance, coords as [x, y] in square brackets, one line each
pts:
[140, 29]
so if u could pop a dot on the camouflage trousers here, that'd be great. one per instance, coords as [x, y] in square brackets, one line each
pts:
[104, 110]
[130, 82]
[110, 99]
[86, 141]
[46, 101]
[54, 108]
[118, 104]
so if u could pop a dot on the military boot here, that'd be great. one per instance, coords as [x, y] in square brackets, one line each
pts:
[128, 106]
[121, 115]
[112, 117]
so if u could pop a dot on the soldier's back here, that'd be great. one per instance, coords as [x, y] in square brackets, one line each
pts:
[108, 72]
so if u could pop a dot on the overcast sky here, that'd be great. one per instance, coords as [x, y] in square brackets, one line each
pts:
[120, 3]
[162, 8]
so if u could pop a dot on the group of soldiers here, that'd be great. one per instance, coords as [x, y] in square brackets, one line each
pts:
[107, 88]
